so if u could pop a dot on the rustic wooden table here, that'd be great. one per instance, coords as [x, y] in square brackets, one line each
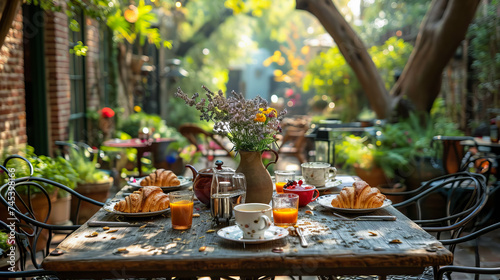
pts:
[336, 247]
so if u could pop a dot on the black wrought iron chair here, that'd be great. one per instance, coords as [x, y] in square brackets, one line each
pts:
[17, 197]
[477, 270]
[463, 195]
[21, 245]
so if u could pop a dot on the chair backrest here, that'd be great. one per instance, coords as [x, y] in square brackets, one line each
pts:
[19, 250]
[28, 201]
[453, 151]
[201, 139]
[457, 198]
[477, 270]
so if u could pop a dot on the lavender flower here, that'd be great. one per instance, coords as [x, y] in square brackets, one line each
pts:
[251, 125]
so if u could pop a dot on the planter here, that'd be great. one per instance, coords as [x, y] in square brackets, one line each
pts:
[96, 191]
[374, 176]
[60, 212]
[420, 170]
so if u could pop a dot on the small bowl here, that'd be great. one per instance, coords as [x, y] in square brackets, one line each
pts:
[305, 193]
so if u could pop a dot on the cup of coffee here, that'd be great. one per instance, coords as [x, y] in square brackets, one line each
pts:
[318, 173]
[253, 219]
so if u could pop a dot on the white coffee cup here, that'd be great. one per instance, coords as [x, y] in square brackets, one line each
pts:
[318, 173]
[253, 219]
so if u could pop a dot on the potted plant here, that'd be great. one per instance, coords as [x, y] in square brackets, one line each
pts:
[371, 161]
[53, 168]
[411, 138]
[91, 182]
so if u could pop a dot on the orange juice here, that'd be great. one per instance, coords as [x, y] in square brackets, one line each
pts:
[279, 186]
[284, 217]
[181, 213]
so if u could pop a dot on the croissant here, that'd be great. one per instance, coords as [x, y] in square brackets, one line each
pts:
[359, 196]
[161, 178]
[146, 199]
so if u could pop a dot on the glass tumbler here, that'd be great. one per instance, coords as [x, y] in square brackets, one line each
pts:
[281, 177]
[181, 209]
[285, 209]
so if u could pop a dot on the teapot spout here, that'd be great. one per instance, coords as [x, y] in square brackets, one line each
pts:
[195, 172]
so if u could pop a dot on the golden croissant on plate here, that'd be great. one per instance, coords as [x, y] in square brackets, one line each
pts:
[359, 196]
[146, 199]
[161, 178]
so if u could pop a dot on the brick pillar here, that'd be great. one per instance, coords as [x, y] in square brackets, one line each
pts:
[57, 71]
[94, 91]
[12, 95]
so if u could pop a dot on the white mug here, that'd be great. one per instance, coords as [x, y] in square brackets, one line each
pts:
[318, 173]
[253, 219]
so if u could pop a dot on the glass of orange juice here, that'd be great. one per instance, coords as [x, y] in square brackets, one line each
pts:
[281, 177]
[285, 209]
[181, 209]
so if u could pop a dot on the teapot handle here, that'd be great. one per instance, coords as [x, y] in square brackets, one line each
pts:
[275, 155]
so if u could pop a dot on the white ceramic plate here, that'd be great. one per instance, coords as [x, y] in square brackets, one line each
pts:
[184, 182]
[330, 185]
[234, 233]
[326, 201]
[110, 208]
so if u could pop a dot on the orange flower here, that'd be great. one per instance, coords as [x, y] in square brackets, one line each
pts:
[260, 117]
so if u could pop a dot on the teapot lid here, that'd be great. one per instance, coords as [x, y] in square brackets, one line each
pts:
[218, 167]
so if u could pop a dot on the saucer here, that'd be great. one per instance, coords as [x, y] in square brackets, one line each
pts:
[233, 233]
[330, 185]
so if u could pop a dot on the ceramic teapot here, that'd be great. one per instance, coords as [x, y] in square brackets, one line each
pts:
[202, 180]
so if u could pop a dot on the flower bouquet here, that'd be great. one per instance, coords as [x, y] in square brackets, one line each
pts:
[251, 125]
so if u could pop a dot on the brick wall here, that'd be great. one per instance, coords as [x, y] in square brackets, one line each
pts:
[12, 96]
[57, 72]
[92, 64]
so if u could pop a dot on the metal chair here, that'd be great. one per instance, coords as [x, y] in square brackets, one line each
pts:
[463, 196]
[20, 244]
[204, 141]
[477, 270]
[17, 195]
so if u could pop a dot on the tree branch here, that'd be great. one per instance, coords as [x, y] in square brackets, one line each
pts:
[354, 51]
[440, 34]
[9, 13]
[202, 34]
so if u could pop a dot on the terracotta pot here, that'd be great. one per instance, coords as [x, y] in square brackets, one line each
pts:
[96, 191]
[60, 212]
[259, 182]
[420, 170]
[40, 208]
[374, 177]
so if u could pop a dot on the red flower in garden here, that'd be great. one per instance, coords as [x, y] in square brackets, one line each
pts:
[107, 112]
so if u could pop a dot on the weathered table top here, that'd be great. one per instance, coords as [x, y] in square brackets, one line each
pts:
[336, 247]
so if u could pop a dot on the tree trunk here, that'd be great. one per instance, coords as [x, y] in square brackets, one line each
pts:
[354, 51]
[442, 30]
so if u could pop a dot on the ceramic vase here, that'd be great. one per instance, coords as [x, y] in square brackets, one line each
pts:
[259, 182]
